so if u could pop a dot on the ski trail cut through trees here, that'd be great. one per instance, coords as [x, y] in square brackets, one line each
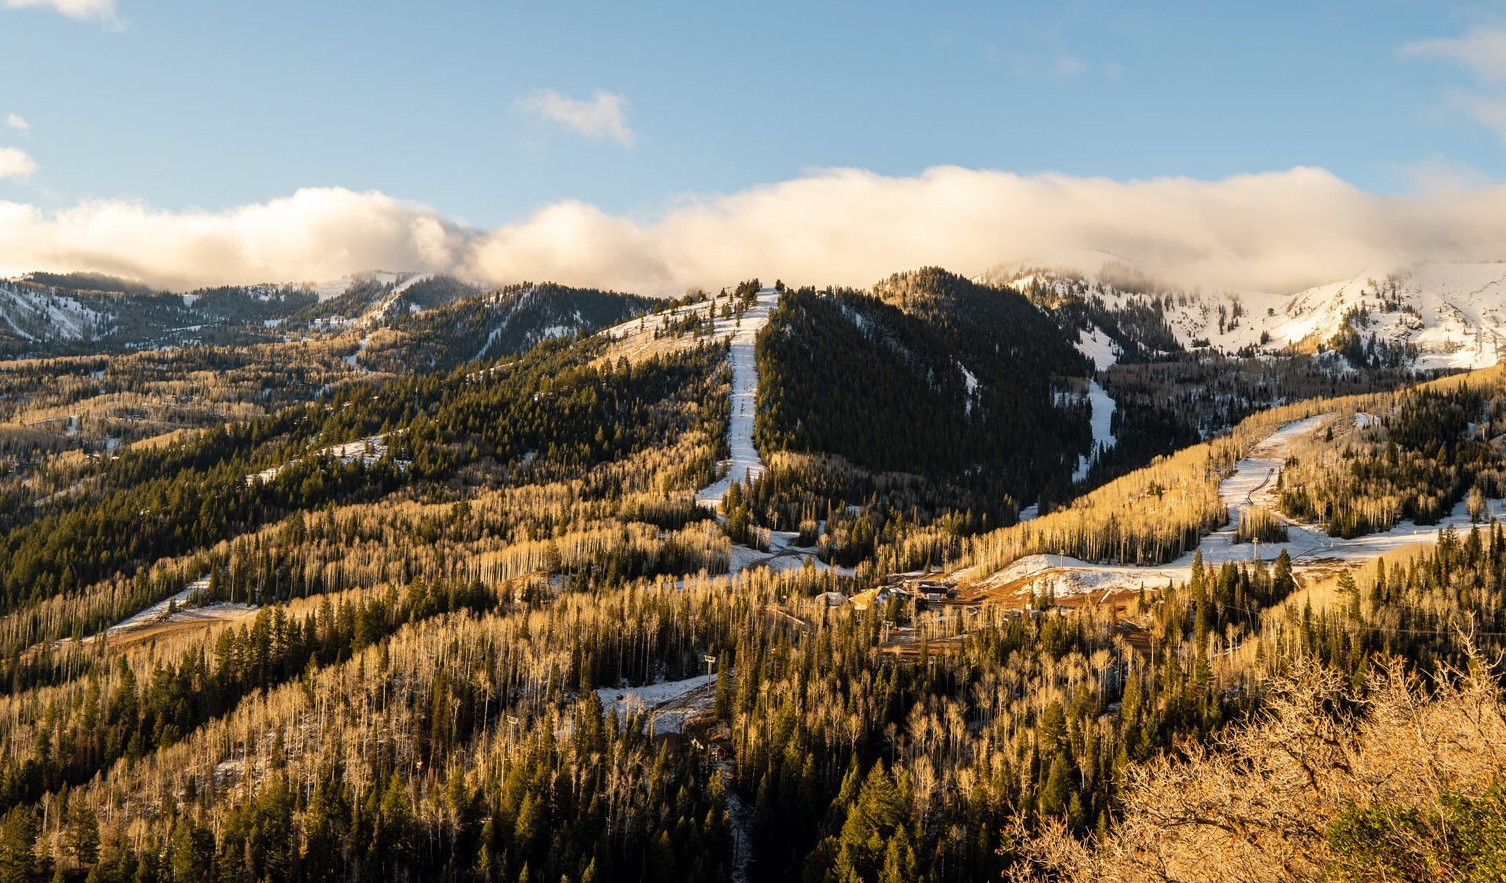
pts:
[1253, 483]
[1104, 353]
[1102, 422]
[745, 464]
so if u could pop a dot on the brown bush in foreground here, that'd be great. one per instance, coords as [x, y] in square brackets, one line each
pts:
[1385, 783]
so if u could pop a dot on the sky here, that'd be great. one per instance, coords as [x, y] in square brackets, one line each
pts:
[661, 145]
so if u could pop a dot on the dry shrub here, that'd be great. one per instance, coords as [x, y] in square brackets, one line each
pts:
[1260, 806]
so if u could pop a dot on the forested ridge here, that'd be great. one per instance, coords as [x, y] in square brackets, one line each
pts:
[916, 378]
[504, 322]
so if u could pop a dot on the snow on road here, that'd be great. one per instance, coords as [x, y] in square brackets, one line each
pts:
[158, 611]
[171, 610]
[1254, 484]
[745, 463]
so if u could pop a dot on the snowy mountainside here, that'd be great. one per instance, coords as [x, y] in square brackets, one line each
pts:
[480, 327]
[39, 319]
[64, 314]
[38, 315]
[1431, 316]
[1454, 315]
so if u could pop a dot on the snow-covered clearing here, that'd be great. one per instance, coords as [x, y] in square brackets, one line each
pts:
[971, 380]
[366, 450]
[745, 464]
[330, 289]
[411, 281]
[333, 288]
[1104, 352]
[783, 555]
[666, 705]
[1099, 347]
[637, 339]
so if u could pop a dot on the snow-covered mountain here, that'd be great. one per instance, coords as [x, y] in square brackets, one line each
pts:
[51, 314]
[1430, 316]
[36, 315]
[1453, 314]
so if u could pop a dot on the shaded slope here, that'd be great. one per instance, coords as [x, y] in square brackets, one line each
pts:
[941, 378]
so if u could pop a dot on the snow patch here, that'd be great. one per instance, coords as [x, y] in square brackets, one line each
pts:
[366, 451]
[1099, 347]
[665, 705]
[972, 388]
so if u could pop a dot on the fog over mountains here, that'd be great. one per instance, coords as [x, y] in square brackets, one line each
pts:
[1273, 232]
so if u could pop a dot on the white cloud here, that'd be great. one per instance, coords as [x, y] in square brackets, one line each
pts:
[1481, 51]
[1278, 231]
[15, 163]
[17, 122]
[603, 116]
[1487, 110]
[1439, 173]
[314, 234]
[100, 10]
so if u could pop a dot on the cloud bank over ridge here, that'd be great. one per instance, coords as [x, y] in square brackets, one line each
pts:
[1276, 231]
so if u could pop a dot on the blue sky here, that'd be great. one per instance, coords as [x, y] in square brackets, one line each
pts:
[489, 113]
[213, 104]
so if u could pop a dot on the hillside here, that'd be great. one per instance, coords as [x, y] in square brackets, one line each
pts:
[46, 314]
[416, 610]
[926, 387]
[501, 323]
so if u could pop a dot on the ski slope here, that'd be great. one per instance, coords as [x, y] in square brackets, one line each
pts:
[1253, 483]
[745, 464]
[1102, 423]
[1104, 352]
